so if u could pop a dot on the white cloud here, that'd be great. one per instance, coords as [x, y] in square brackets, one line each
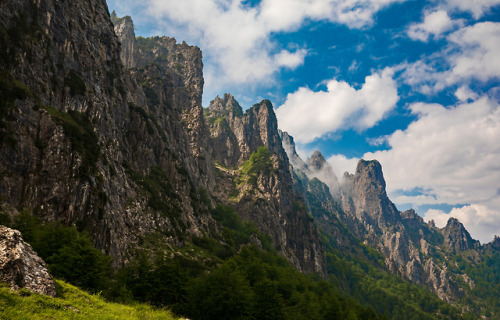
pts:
[435, 24]
[476, 7]
[481, 222]
[464, 93]
[342, 164]
[471, 54]
[308, 115]
[453, 153]
[479, 57]
[290, 60]
[236, 38]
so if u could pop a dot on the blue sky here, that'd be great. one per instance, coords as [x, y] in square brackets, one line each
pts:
[413, 84]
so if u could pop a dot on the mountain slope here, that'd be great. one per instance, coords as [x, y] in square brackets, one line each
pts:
[413, 249]
[112, 138]
[105, 131]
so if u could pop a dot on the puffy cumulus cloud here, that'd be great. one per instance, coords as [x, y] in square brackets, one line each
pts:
[452, 153]
[236, 38]
[471, 54]
[481, 222]
[476, 7]
[435, 24]
[308, 115]
[290, 60]
[478, 58]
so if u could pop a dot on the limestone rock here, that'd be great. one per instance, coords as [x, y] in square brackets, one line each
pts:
[319, 168]
[271, 204]
[21, 267]
[456, 237]
[124, 28]
[371, 203]
[289, 146]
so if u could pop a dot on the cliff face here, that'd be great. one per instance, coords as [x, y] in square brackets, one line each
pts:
[106, 131]
[361, 212]
[408, 244]
[124, 28]
[91, 144]
[64, 61]
[457, 238]
[262, 185]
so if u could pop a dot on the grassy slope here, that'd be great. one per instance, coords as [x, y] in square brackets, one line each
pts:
[71, 303]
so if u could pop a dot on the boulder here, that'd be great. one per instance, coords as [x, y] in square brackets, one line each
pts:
[21, 267]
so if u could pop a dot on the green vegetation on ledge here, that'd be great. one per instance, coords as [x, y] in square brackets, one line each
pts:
[259, 163]
[75, 83]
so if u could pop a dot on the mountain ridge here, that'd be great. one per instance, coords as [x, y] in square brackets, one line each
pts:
[412, 248]
[105, 131]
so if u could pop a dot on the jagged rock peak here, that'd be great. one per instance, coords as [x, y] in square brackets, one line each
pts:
[316, 161]
[225, 105]
[412, 216]
[370, 170]
[371, 204]
[456, 237]
[21, 267]
[287, 139]
[264, 122]
[289, 146]
[321, 169]
[267, 107]
[124, 29]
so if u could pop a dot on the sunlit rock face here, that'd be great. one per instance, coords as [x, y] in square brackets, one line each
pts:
[271, 202]
[21, 267]
[359, 203]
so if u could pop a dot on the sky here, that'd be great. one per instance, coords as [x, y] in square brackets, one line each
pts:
[414, 84]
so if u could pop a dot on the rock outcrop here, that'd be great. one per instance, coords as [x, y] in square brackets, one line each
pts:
[290, 149]
[21, 267]
[124, 28]
[265, 196]
[457, 238]
[410, 246]
[120, 153]
[106, 131]
[319, 168]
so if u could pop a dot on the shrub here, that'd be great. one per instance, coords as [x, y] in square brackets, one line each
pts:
[259, 163]
[68, 253]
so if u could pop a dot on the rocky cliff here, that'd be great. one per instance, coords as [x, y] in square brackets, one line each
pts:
[361, 212]
[117, 152]
[105, 130]
[255, 168]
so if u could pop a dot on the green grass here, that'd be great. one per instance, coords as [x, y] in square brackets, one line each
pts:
[259, 163]
[71, 303]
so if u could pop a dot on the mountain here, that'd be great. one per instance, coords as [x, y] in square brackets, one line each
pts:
[117, 143]
[109, 160]
[251, 159]
[115, 151]
[417, 251]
